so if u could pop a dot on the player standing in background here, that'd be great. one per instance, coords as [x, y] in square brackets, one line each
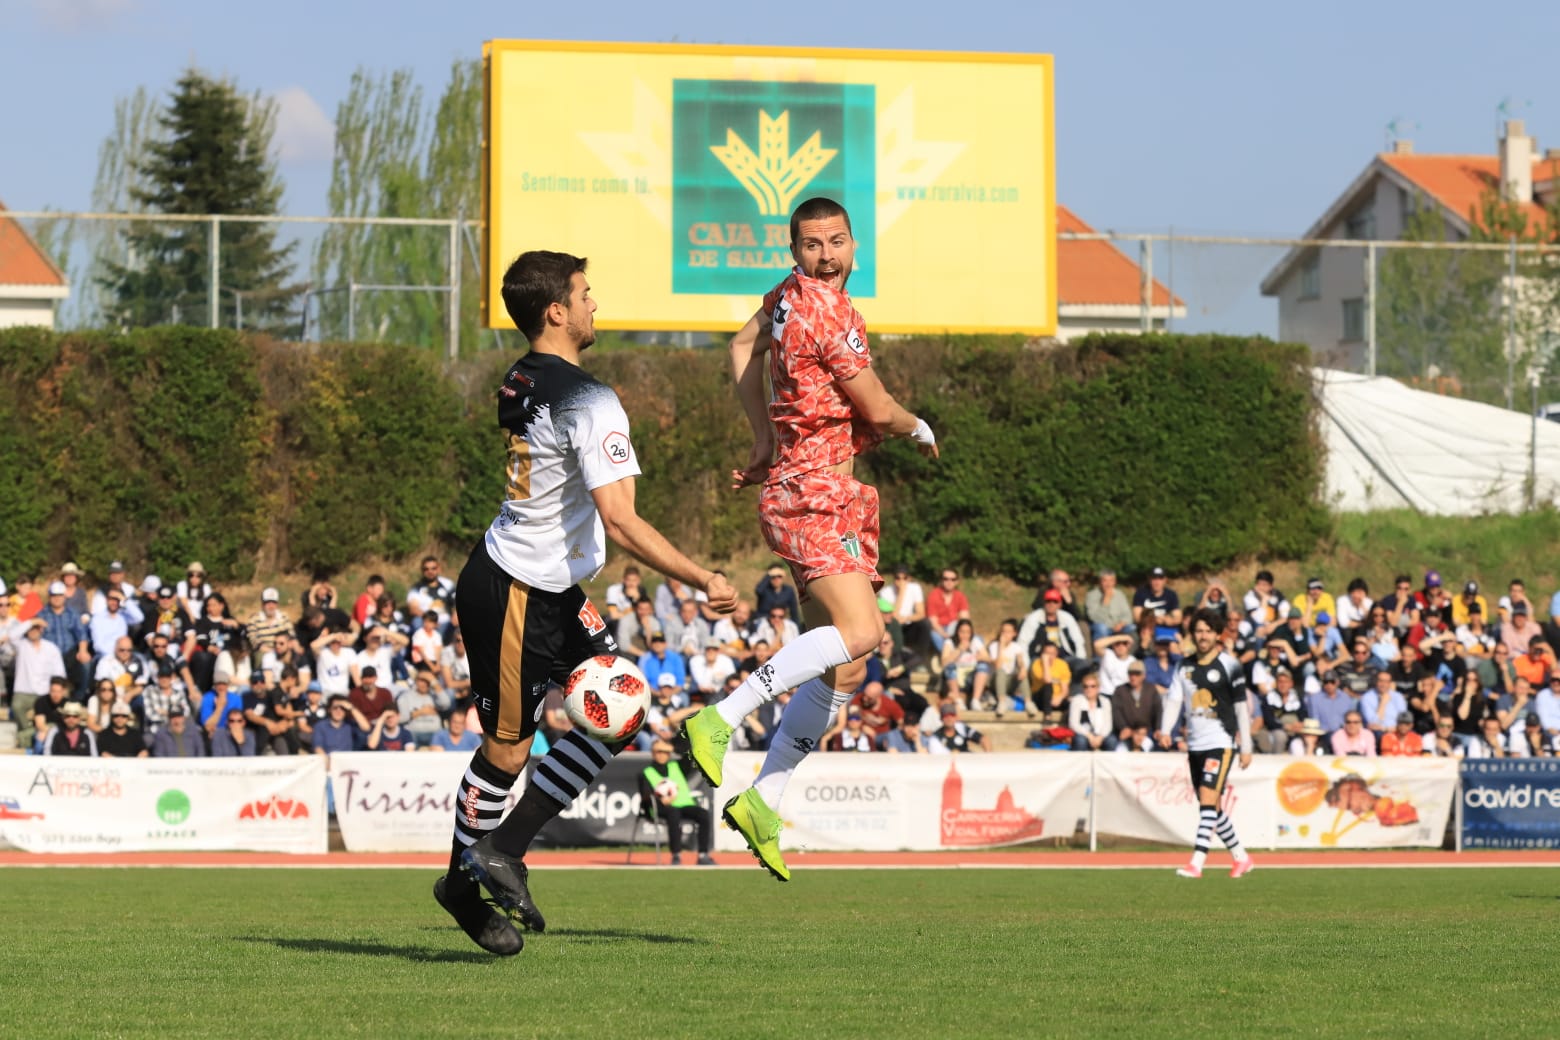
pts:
[1212, 689]
[828, 406]
[526, 621]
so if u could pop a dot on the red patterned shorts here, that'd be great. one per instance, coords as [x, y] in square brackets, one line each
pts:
[822, 523]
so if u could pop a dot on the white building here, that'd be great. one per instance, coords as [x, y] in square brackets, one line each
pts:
[31, 286]
[1321, 292]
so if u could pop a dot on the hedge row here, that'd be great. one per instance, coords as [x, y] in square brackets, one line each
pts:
[170, 444]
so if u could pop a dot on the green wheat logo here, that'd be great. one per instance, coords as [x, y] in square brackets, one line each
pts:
[775, 176]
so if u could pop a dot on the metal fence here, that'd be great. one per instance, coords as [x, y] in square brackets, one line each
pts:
[1480, 320]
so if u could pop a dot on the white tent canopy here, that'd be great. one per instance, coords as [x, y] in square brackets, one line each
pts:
[1393, 447]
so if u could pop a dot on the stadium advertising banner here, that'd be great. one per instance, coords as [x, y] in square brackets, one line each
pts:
[402, 802]
[675, 169]
[163, 804]
[884, 803]
[1511, 803]
[1283, 802]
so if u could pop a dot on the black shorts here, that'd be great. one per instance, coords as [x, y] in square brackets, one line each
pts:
[520, 639]
[1210, 769]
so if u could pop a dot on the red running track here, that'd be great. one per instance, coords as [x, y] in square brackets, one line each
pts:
[600, 859]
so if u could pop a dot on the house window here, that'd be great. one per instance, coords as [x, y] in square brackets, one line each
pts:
[1361, 224]
[1353, 320]
[1311, 278]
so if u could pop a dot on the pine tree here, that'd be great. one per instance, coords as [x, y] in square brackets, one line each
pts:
[213, 158]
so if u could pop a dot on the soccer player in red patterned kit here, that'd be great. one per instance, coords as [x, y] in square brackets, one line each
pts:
[1211, 687]
[828, 406]
[525, 620]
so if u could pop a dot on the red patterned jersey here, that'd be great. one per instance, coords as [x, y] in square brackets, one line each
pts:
[819, 341]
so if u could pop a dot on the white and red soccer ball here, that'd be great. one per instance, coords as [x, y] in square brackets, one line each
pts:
[607, 698]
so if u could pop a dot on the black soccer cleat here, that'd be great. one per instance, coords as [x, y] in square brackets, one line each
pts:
[505, 879]
[488, 927]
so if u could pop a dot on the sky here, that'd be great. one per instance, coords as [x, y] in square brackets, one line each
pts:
[1202, 117]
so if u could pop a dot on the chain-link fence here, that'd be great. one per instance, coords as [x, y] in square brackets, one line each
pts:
[1477, 320]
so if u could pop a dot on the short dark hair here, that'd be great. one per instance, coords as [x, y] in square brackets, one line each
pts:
[535, 281]
[817, 208]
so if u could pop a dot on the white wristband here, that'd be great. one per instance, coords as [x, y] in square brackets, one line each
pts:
[922, 434]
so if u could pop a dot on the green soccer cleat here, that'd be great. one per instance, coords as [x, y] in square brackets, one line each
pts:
[708, 735]
[759, 826]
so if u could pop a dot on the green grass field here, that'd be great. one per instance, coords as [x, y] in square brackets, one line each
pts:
[730, 953]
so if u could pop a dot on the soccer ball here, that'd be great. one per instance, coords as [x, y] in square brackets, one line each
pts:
[607, 697]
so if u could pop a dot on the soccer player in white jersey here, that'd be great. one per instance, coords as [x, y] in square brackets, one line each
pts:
[526, 622]
[1211, 688]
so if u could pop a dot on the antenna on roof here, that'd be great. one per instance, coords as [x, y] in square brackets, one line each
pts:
[1507, 109]
[1394, 130]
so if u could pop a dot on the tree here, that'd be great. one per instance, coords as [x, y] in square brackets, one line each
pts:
[395, 158]
[213, 156]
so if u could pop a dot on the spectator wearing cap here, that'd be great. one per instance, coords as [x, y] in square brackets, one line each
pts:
[114, 622]
[1310, 741]
[1265, 606]
[1528, 739]
[121, 739]
[1518, 633]
[217, 702]
[70, 737]
[193, 589]
[709, 670]
[1332, 702]
[957, 737]
[167, 620]
[164, 695]
[659, 661]
[369, 699]
[178, 739]
[1327, 648]
[1135, 709]
[67, 630]
[1157, 604]
[1160, 665]
[267, 623]
[1401, 741]
[114, 580]
[1107, 608]
[773, 591]
[75, 592]
[37, 661]
[1469, 597]
[852, 736]
[1316, 600]
[1293, 634]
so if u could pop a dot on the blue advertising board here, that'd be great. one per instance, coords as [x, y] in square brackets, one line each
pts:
[1511, 803]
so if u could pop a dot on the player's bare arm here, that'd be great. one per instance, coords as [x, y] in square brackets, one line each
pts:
[624, 525]
[748, 348]
[876, 405]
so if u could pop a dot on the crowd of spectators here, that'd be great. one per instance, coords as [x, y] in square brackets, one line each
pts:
[167, 669]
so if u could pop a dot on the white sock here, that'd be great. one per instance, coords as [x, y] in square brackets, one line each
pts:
[811, 710]
[806, 657]
[1198, 859]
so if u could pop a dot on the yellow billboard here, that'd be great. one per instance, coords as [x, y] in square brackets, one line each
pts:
[674, 168]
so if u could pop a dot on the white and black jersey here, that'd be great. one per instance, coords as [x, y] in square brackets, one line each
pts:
[1213, 695]
[567, 435]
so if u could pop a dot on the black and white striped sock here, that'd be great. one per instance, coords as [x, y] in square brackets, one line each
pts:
[479, 805]
[1226, 831]
[559, 778]
[1205, 818]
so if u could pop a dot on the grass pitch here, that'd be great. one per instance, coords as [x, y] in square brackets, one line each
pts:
[730, 953]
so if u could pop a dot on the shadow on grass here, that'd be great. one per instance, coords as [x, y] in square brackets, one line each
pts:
[369, 948]
[592, 936]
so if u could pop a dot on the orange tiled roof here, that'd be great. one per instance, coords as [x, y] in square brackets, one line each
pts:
[21, 261]
[1097, 272]
[1458, 182]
